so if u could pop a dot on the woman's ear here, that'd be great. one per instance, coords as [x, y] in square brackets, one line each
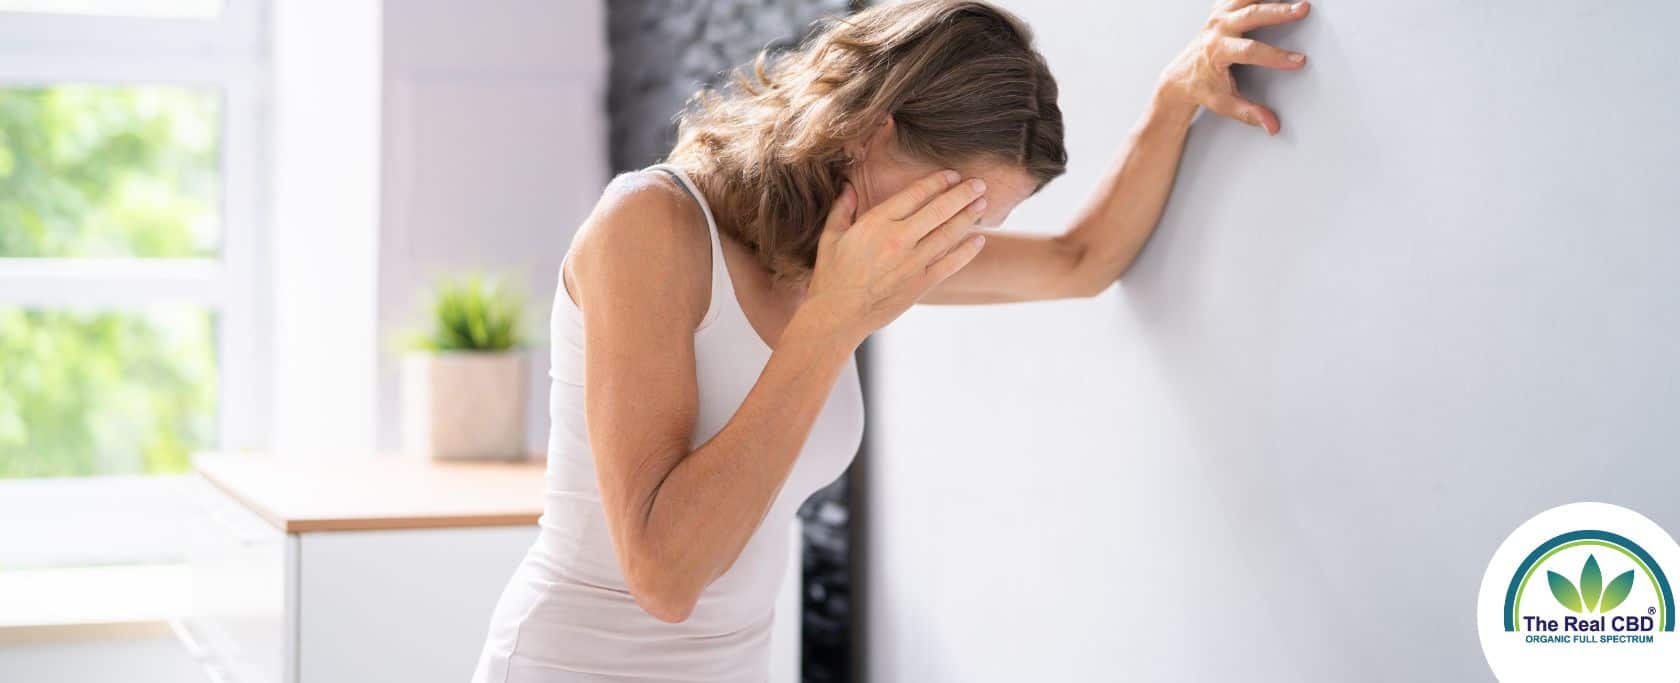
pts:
[874, 144]
[863, 156]
[881, 141]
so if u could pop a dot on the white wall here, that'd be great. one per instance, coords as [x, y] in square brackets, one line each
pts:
[1353, 359]
[324, 236]
[494, 152]
[416, 139]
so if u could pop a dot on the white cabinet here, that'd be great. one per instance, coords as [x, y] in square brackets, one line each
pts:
[329, 606]
[370, 570]
[239, 590]
[404, 605]
[310, 571]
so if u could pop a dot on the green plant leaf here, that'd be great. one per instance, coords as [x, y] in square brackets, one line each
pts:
[1564, 591]
[473, 314]
[1617, 591]
[1592, 582]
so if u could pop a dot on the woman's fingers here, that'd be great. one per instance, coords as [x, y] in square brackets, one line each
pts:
[1234, 106]
[913, 198]
[1252, 16]
[1201, 74]
[840, 217]
[953, 261]
[949, 234]
[942, 208]
[844, 210]
[1233, 50]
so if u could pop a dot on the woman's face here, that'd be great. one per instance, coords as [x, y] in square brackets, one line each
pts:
[882, 170]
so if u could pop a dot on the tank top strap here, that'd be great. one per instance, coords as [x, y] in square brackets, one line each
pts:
[723, 289]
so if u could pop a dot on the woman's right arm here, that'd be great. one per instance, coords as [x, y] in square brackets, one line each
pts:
[678, 516]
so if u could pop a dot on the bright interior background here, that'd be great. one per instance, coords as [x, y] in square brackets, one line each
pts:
[1354, 358]
[218, 223]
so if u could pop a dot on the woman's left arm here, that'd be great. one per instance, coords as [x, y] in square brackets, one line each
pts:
[1117, 220]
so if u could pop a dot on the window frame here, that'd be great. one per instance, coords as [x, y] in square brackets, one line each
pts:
[227, 54]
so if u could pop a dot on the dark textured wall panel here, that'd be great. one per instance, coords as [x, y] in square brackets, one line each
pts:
[662, 52]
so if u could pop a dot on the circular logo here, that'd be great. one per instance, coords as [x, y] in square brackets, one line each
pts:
[1579, 593]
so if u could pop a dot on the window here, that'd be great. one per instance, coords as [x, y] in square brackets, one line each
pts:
[131, 306]
[107, 172]
[176, 9]
[110, 171]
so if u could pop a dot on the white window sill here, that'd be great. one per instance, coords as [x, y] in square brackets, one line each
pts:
[94, 595]
[94, 550]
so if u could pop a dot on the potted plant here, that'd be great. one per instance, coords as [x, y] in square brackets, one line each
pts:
[463, 381]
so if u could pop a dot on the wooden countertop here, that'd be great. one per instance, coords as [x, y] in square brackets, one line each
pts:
[364, 492]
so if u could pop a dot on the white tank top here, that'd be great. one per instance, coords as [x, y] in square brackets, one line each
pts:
[567, 614]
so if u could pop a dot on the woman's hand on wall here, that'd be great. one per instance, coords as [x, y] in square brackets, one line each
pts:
[871, 268]
[1201, 74]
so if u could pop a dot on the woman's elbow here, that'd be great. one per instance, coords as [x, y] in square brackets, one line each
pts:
[662, 593]
[1085, 275]
[1087, 286]
[671, 609]
[1093, 288]
[1101, 281]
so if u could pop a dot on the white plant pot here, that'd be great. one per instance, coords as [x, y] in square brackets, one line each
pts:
[464, 405]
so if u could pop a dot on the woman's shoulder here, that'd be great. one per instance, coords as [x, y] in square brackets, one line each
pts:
[644, 225]
[647, 198]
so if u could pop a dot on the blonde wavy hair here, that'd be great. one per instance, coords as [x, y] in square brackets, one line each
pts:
[961, 81]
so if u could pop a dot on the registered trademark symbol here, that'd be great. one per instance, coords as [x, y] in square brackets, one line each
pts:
[1650, 610]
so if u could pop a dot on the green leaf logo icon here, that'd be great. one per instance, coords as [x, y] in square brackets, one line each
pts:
[1564, 591]
[1593, 595]
[1592, 582]
[1617, 591]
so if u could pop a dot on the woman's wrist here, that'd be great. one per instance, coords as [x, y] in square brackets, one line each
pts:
[819, 324]
[1171, 106]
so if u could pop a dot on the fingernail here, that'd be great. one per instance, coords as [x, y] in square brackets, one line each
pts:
[979, 205]
[978, 185]
[979, 241]
[953, 177]
[1297, 57]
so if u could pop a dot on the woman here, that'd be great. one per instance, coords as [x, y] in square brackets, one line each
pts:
[709, 308]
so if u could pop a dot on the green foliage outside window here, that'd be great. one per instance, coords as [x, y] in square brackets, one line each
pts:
[104, 393]
[107, 172]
